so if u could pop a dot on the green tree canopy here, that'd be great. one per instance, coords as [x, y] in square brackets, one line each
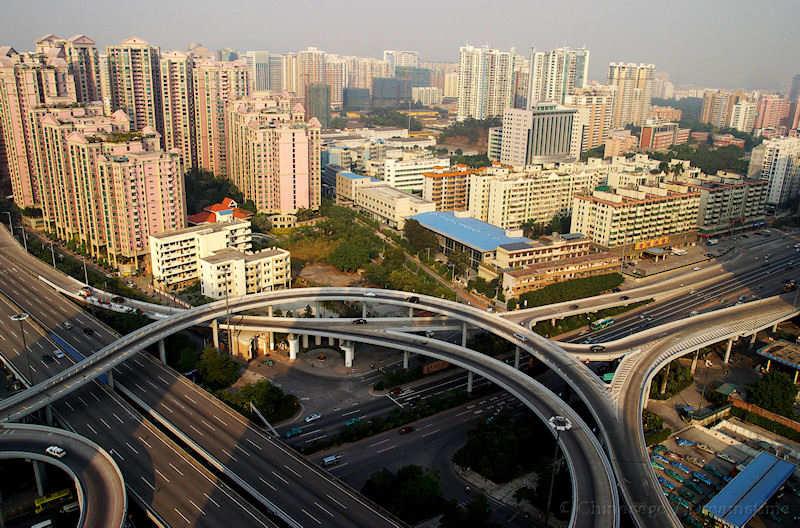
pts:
[418, 237]
[775, 392]
[413, 494]
[217, 370]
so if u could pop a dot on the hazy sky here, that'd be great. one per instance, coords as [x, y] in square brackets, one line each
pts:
[724, 43]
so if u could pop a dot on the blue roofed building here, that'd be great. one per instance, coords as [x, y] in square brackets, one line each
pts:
[744, 496]
[458, 232]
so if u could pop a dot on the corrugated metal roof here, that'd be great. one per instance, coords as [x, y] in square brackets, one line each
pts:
[470, 232]
[742, 498]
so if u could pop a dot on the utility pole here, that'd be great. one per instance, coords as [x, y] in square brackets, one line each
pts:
[53, 254]
[21, 318]
[24, 238]
[10, 223]
[85, 273]
[559, 425]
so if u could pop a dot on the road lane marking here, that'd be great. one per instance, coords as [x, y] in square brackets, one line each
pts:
[318, 505]
[385, 449]
[268, 484]
[431, 433]
[178, 471]
[342, 506]
[145, 442]
[281, 477]
[182, 515]
[296, 474]
[148, 483]
[381, 442]
[312, 517]
[206, 495]
[131, 447]
[163, 476]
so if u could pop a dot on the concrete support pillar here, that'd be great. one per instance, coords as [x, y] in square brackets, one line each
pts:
[775, 327]
[48, 415]
[318, 340]
[694, 361]
[516, 357]
[411, 311]
[110, 377]
[728, 349]
[405, 359]
[464, 334]
[269, 311]
[215, 333]
[349, 348]
[40, 476]
[162, 352]
[469, 382]
[553, 322]
[663, 388]
[294, 346]
[795, 376]
[363, 310]
[272, 340]
[769, 364]
[305, 340]
[753, 339]
[331, 341]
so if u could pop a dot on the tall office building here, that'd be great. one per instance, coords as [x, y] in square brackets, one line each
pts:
[633, 84]
[214, 85]
[521, 82]
[133, 72]
[556, 74]
[310, 69]
[794, 89]
[778, 161]
[289, 72]
[27, 81]
[274, 154]
[177, 105]
[547, 132]
[595, 106]
[259, 65]
[485, 86]
[743, 116]
[397, 58]
[318, 103]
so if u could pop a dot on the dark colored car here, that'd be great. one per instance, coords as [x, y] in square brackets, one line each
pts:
[597, 348]
[407, 429]
[360, 321]
[624, 298]
[88, 331]
[413, 299]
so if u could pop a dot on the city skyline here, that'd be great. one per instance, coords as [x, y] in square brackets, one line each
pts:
[622, 31]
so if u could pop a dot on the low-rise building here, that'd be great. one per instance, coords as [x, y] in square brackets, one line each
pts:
[726, 140]
[225, 211]
[388, 205]
[175, 255]
[619, 143]
[666, 113]
[457, 232]
[230, 272]
[536, 276]
[448, 188]
[638, 218]
[660, 136]
[405, 173]
[347, 183]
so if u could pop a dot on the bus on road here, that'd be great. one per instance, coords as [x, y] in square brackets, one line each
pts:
[602, 323]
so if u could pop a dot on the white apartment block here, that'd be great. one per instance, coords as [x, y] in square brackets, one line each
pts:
[595, 106]
[407, 173]
[507, 199]
[778, 162]
[743, 116]
[556, 74]
[390, 206]
[426, 95]
[232, 273]
[634, 85]
[636, 219]
[485, 87]
[175, 255]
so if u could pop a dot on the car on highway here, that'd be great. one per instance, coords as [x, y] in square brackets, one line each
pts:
[597, 348]
[521, 337]
[88, 331]
[693, 313]
[67, 325]
[369, 294]
[696, 268]
[413, 299]
[313, 417]
[55, 451]
[58, 354]
[294, 431]
[405, 430]
[624, 298]
[331, 460]
[352, 421]
[47, 358]
[359, 321]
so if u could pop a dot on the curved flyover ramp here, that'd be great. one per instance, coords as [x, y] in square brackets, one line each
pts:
[100, 486]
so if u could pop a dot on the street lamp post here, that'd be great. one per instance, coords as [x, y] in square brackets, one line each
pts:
[53, 254]
[21, 318]
[85, 273]
[559, 424]
[10, 223]
[24, 237]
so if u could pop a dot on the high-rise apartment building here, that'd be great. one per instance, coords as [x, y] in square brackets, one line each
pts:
[451, 84]
[718, 106]
[556, 74]
[426, 95]
[289, 73]
[362, 70]
[395, 58]
[215, 84]
[448, 188]
[80, 53]
[259, 64]
[794, 88]
[521, 82]
[133, 75]
[743, 116]
[485, 86]
[772, 112]
[310, 69]
[274, 155]
[547, 132]
[177, 105]
[633, 91]
[662, 86]
[595, 106]
[336, 77]
[28, 81]
[778, 161]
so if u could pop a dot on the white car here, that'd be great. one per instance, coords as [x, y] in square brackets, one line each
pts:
[55, 451]
[313, 417]
[369, 294]
[696, 268]
[58, 354]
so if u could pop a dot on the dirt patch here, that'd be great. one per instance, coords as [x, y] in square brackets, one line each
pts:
[327, 275]
[311, 250]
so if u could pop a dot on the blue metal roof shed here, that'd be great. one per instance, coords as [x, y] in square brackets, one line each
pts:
[470, 232]
[742, 498]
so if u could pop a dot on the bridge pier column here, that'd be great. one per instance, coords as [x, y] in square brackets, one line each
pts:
[294, 346]
[663, 388]
[469, 382]
[215, 333]
[269, 311]
[331, 341]
[405, 359]
[318, 340]
[694, 361]
[753, 339]
[48, 415]
[349, 348]
[516, 358]
[363, 310]
[39, 474]
[110, 376]
[272, 340]
[728, 351]
[553, 322]
[411, 311]
[796, 372]
[305, 340]
[775, 327]
[463, 334]
[162, 352]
